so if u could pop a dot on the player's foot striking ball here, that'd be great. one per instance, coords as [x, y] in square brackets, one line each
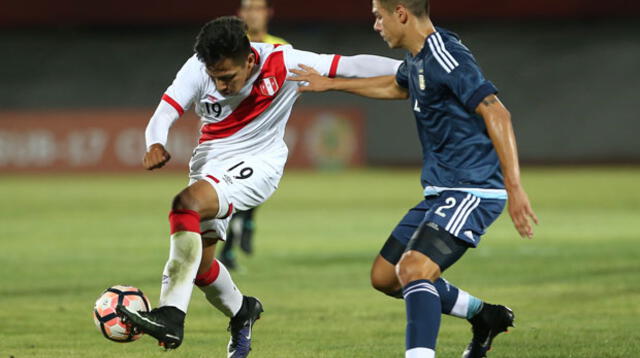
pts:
[109, 322]
[486, 325]
[241, 326]
[166, 324]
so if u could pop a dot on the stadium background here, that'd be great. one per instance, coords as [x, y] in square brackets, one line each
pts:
[79, 80]
[567, 70]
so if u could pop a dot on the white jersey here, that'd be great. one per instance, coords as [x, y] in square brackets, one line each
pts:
[253, 121]
[241, 151]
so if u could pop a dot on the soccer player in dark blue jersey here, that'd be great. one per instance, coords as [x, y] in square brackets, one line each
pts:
[470, 169]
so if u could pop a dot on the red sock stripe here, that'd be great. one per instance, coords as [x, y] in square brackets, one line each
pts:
[210, 276]
[184, 220]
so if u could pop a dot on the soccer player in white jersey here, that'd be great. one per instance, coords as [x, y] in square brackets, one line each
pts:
[241, 92]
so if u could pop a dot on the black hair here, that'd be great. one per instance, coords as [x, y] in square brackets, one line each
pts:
[419, 8]
[224, 37]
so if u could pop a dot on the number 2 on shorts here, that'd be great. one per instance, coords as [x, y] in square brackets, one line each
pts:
[449, 203]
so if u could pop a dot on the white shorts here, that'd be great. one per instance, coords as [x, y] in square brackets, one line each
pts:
[242, 182]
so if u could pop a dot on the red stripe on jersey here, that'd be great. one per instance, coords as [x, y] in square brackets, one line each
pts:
[173, 103]
[334, 66]
[255, 104]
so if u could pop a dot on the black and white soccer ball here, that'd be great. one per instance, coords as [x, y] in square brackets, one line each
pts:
[106, 318]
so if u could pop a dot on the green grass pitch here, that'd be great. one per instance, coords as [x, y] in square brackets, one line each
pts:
[575, 288]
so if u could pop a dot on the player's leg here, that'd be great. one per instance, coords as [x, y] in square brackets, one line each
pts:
[242, 184]
[198, 201]
[429, 252]
[215, 281]
[454, 301]
[454, 219]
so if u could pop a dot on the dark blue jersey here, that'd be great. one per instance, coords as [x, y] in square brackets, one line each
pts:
[446, 86]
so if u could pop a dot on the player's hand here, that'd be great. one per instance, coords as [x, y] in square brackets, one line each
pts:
[314, 81]
[521, 212]
[156, 157]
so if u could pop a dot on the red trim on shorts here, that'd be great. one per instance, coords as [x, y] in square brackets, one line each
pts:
[229, 212]
[213, 178]
[184, 220]
[173, 103]
[210, 276]
[334, 66]
[274, 73]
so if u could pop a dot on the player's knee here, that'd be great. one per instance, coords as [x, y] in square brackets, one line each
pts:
[383, 283]
[185, 200]
[379, 284]
[413, 266]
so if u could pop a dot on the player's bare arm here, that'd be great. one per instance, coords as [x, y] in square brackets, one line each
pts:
[498, 121]
[156, 157]
[381, 87]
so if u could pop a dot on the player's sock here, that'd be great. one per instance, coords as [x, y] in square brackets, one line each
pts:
[456, 302]
[220, 290]
[423, 318]
[184, 258]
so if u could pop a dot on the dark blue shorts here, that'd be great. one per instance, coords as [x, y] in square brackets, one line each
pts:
[462, 214]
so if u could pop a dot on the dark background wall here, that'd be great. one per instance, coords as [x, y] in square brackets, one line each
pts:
[569, 72]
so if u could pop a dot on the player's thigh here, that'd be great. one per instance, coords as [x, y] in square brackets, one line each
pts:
[241, 183]
[397, 242]
[453, 223]
[383, 274]
[198, 196]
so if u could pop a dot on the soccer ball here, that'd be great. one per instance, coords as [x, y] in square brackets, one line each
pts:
[106, 318]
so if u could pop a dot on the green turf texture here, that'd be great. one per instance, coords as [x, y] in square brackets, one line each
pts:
[575, 287]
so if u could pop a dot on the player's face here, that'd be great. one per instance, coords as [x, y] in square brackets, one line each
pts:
[256, 14]
[230, 76]
[386, 24]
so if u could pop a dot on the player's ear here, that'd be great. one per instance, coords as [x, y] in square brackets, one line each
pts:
[401, 13]
[251, 60]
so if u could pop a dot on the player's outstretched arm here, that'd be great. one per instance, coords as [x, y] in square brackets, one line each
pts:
[382, 87]
[156, 157]
[498, 121]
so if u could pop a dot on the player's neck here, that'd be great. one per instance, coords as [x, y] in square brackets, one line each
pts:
[420, 29]
[257, 35]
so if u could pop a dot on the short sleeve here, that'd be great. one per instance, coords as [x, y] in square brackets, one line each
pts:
[467, 82]
[186, 86]
[402, 75]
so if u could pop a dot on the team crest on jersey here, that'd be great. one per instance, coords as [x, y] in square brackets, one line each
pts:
[269, 86]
